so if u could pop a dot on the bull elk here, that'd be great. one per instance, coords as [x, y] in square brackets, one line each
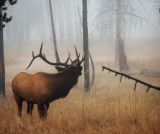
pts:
[42, 88]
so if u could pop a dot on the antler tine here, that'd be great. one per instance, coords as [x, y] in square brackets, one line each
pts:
[76, 52]
[40, 52]
[34, 57]
[67, 58]
[32, 54]
[83, 58]
[30, 64]
[70, 60]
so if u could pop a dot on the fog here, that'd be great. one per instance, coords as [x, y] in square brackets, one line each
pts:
[31, 25]
[124, 37]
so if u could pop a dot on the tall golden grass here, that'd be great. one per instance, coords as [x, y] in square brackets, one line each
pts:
[110, 108]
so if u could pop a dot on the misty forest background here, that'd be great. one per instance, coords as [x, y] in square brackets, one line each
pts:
[123, 35]
[31, 25]
[133, 23]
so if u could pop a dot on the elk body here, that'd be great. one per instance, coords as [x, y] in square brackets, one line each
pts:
[42, 88]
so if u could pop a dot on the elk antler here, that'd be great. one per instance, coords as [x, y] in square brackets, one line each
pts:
[83, 58]
[66, 62]
[77, 55]
[43, 57]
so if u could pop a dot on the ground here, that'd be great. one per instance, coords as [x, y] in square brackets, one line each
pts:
[111, 107]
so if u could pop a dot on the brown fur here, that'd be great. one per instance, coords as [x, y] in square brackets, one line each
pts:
[42, 88]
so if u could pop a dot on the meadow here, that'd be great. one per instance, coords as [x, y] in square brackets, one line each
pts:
[110, 108]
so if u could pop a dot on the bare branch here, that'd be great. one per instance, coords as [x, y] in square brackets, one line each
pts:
[149, 86]
[134, 15]
[142, 5]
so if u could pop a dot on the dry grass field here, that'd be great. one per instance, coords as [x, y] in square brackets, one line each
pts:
[110, 108]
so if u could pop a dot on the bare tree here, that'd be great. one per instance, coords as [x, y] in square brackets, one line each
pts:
[3, 20]
[2, 65]
[90, 56]
[85, 47]
[54, 33]
[157, 5]
[121, 11]
[120, 56]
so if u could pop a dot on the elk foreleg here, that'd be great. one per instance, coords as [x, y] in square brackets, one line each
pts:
[47, 106]
[42, 109]
[19, 102]
[30, 106]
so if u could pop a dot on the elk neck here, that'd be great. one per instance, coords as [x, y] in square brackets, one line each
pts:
[60, 84]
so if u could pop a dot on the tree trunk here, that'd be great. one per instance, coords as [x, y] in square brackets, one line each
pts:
[92, 62]
[118, 30]
[93, 70]
[85, 47]
[2, 67]
[54, 33]
[120, 56]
